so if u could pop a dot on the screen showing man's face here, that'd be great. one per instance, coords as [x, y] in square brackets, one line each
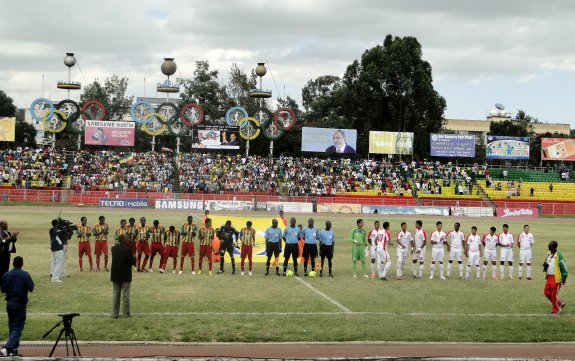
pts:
[338, 139]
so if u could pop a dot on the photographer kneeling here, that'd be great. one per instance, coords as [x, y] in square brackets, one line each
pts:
[58, 238]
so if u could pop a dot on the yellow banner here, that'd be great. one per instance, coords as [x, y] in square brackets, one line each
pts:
[390, 143]
[7, 129]
[338, 208]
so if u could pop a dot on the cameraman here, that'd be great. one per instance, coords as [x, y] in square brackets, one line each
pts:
[7, 246]
[58, 238]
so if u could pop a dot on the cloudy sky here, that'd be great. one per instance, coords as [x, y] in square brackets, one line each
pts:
[518, 53]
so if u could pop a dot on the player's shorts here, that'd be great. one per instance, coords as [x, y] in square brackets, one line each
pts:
[419, 256]
[326, 251]
[187, 249]
[382, 256]
[134, 247]
[456, 254]
[100, 247]
[437, 254]
[357, 253]
[157, 247]
[401, 255]
[525, 256]
[309, 250]
[206, 251]
[84, 248]
[274, 249]
[506, 255]
[473, 259]
[490, 255]
[171, 251]
[248, 250]
[143, 247]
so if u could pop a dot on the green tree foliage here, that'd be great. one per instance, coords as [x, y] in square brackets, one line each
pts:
[7, 107]
[238, 89]
[112, 94]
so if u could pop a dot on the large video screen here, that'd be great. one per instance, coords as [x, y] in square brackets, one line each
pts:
[390, 143]
[503, 147]
[328, 140]
[110, 133]
[452, 145]
[216, 137]
[558, 149]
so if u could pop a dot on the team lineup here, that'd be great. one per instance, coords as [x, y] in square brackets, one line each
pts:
[303, 245]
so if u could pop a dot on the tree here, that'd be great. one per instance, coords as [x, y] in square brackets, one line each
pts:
[522, 116]
[391, 89]
[239, 86]
[112, 94]
[7, 107]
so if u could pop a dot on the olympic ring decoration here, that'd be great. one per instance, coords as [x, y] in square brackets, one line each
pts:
[79, 125]
[38, 109]
[54, 123]
[192, 114]
[155, 123]
[285, 118]
[263, 115]
[271, 131]
[234, 116]
[177, 127]
[249, 128]
[139, 110]
[168, 110]
[95, 109]
[71, 108]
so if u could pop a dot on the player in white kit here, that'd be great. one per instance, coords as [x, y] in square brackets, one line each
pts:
[437, 249]
[373, 237]
[404, 240]
[455, 243]
[490, 242]
[506, 242]
[525, 242]
[418, 248]
[473, 252]
[383, 259]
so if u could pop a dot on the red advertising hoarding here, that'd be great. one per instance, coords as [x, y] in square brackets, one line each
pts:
[558, 149]
[111, 133]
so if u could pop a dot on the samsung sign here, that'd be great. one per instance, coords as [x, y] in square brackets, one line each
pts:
[179, 204]
[124, 202]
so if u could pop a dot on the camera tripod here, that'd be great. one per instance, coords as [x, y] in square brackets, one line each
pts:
[68, 333]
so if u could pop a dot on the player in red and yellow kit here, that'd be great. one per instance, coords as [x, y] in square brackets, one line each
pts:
[156, 237]
[172, 242]
[205, 236]
[122, 230]
[188, 236]
[84, 232]
[132, 233]
[248, 239]
[101, 231]
[142, 245]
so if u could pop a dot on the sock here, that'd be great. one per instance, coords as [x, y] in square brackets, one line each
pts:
[528, 271]
[484, 270]
[413, 265]
[494, 270]
[441, 269]
[398, 271]
[432, 269]
[520, 270]
[80, 262]
[449, 269]
[467, 270]
[421, 270]
[373, 268]
[460, 266]
[510, 271]
[501, 270]
[477, 271]
[106, 261]
[353, 268]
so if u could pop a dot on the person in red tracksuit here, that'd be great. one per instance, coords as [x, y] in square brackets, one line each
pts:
[84, 232]
[188, 236]
[142, 245]
[156, 234]
[172, 242]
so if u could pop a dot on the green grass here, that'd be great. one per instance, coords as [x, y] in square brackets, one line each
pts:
[169, 307]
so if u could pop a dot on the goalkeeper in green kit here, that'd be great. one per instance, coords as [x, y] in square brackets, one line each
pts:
[358, 239]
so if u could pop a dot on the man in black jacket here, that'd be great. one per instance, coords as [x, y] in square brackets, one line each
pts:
[58, 238]
[121, 275]
[7, 246]
[227, 235]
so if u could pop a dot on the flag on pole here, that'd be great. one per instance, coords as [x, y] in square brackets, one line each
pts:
[127, 158]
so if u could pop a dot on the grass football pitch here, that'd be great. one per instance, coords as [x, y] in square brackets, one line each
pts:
[232, 308]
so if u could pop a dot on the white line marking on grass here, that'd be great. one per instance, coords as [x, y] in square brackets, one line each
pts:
[337, 304]
[335, 313]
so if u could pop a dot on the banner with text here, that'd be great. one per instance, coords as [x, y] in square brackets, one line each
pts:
[216, 137]
[123, 202]
[290, 207]
[183, 204]
[328, 140]
[409, 210]
[452, 145]
[111, 133]
[338, 208]
[503, 147]
[507, 212]
[390, 143]
[558, 149]
[7, 129]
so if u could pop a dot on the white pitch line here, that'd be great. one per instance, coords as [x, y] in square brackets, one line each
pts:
[345, 311]
[337, 304]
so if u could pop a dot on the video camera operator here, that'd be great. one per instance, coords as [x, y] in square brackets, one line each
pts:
[59, 236]
[7, 246]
